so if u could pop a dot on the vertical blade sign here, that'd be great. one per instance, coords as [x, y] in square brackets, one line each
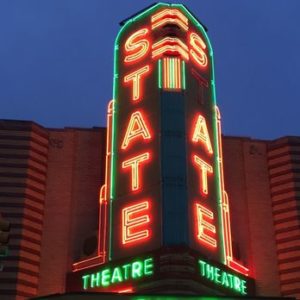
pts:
[164, 179]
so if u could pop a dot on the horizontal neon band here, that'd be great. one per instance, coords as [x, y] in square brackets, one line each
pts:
[170, 21]
[170, 12]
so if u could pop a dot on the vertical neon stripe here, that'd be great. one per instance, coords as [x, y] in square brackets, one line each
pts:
[183, 75]
[168, 73]
[113, 142]
[230, 261]
[159, 74]
[218, 175]
[175, 73]
[179, 73]
[165, 76]
[165, 73]
[112, 174]
[171, 73]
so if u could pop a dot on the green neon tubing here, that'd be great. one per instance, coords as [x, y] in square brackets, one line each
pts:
[114, 119]
[183, 74]
[159, 74]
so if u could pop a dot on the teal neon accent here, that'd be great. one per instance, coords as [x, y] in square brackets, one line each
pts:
[183, 77]
[159, 74]
[217, 165]
[113, 148]
[171, 73]
[112, 176]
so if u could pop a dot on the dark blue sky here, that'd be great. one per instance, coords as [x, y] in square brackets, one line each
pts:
[56, 61]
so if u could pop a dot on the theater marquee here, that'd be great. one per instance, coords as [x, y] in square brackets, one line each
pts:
[164, 184]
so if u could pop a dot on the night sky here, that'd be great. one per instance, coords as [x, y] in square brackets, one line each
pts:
[56, 61]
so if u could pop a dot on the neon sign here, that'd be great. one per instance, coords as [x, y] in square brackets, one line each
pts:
[120, 277]
[134, 163]
[222, 278]
[206, 230]
[173, 70]
[170, 45]
[105, 277]
[136, 128]
[197, 50]
[164, 154]
[204, 169]
[134, 218]
[135, 77]
[200, 134]
[139, 47]
[169, 16]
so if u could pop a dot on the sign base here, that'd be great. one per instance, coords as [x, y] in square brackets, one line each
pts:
[171, 270]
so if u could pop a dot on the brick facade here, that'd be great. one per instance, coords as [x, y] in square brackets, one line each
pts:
[49, 191]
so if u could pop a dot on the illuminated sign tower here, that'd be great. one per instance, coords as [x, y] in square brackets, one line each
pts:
[164, 193]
